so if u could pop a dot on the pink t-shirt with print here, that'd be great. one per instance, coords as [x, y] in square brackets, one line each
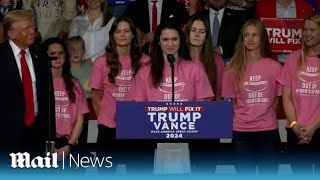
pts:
[254, 108]
[190, 83]
[219, 71]
[111, 92]
[67, 112]
[305, 86]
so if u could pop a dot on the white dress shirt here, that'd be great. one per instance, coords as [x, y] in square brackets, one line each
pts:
[16, 51]
[212, 14]
[287, 12]
[95, 37]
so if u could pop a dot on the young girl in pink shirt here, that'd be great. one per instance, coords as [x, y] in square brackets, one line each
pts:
[300, 77]
[70, 99]
[250, 82]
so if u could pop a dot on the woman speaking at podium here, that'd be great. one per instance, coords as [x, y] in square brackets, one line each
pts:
[153, 81]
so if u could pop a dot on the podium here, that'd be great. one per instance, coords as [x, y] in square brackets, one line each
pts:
[178, 120]
[173, 121]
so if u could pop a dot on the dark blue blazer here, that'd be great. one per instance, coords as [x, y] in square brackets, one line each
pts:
[12, 105]
[138, 11]
[231, 24]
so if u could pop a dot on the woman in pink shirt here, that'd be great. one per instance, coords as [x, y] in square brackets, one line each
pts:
[201, 50]
[111, 78]
[153, 81]
[70, 99]
[250, 82]
[300, 77]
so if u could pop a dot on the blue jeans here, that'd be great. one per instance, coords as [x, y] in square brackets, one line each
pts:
[256, 149]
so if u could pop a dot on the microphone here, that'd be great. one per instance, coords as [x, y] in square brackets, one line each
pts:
[171, 58]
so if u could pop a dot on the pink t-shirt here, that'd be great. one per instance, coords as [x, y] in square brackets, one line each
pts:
[111, 92]
[305, 86]
[190, 84]
[254, 110]
[67, 112]
[219, 71]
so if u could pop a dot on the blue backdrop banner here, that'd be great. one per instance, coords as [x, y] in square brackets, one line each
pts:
[174, 120]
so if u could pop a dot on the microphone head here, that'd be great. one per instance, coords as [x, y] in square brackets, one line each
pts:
[171, 58]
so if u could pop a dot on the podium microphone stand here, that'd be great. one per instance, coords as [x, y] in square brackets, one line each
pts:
[50, 144]
[171, 60]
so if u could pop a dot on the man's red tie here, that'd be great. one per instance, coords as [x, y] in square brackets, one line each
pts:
[27, 90]
[154, 20]
[154, 16]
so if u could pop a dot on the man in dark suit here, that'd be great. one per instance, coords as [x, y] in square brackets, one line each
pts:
[24, 122]
[229, 26]
[140, 12]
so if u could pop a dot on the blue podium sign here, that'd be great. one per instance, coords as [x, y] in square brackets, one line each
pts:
[174, 120]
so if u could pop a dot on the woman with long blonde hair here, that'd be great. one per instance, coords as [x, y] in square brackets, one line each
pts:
[300, 77]
[250, 81]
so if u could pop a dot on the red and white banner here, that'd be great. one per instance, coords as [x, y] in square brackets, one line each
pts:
[285, 35]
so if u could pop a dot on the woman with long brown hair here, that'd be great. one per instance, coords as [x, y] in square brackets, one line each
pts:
[201, 50]
[70, 99]
[112, 75]
[250, 82]
[154, 82]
